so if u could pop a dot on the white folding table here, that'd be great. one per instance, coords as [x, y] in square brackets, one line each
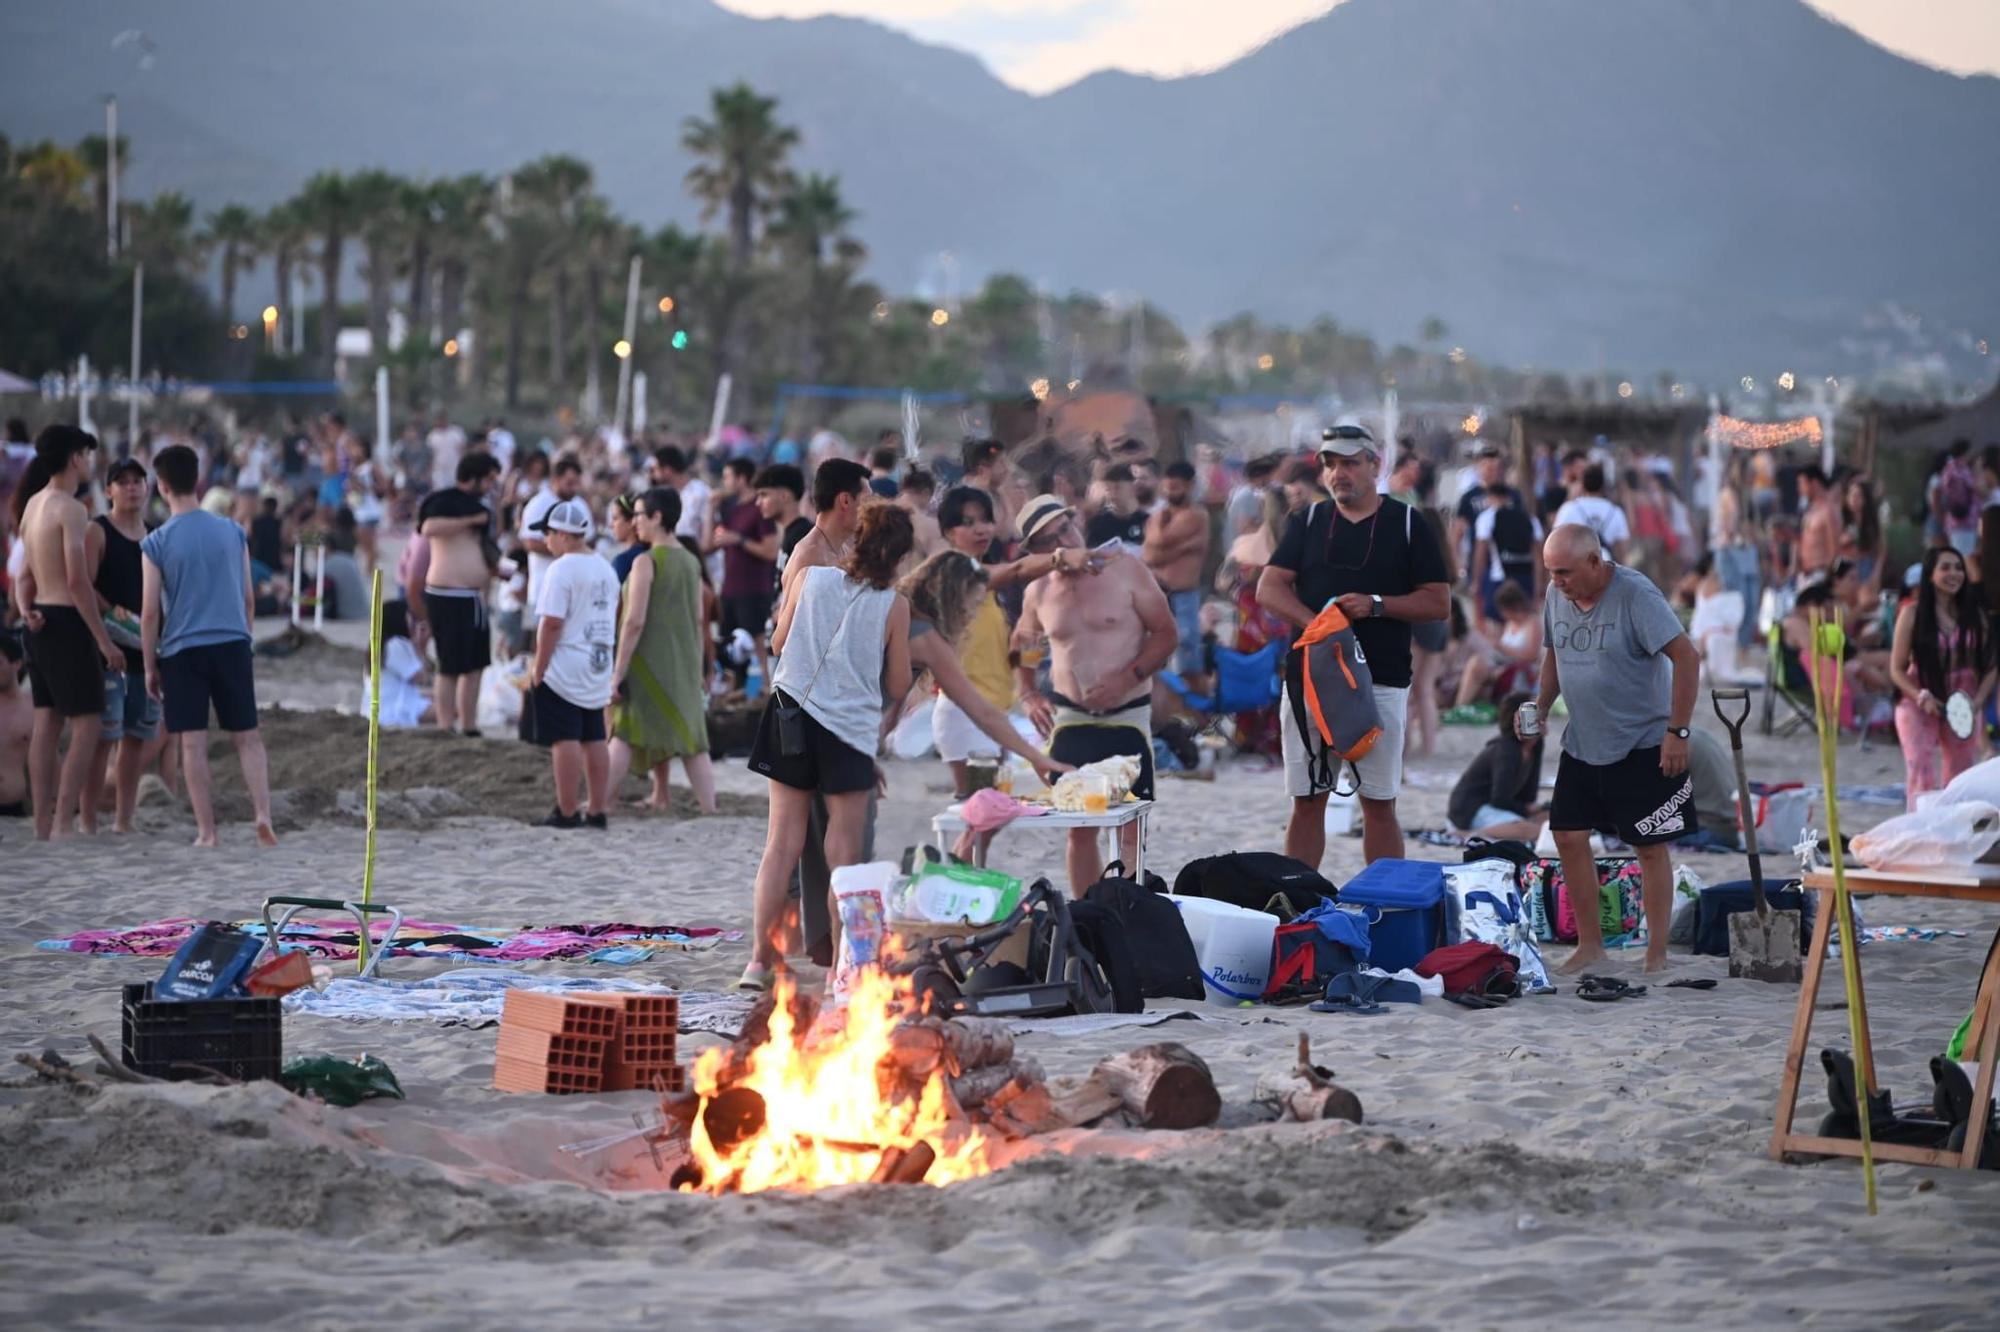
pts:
[952, 822]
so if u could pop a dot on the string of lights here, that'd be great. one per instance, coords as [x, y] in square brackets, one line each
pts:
[1740, 434]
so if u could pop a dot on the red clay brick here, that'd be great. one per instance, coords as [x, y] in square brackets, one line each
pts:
[584, 1054]
[521, 1075]
[622, 1076]
[562, 1014]
[651, 1012]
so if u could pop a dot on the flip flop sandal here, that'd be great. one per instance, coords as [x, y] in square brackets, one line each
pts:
[1692, 983]
[1347, 1003]
[1607, 989]
[756, 979]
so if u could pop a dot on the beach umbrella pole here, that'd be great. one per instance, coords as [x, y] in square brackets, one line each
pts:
[374, 749]
[1828, 638]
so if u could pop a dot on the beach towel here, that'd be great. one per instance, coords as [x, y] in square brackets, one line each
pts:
[336, 939]
[474, 997]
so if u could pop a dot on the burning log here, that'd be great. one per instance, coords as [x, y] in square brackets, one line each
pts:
[922, 1046]
[732, 1116]
[1305, 1092]
[904, 1165]
[1163, 1086]
[976, 1087]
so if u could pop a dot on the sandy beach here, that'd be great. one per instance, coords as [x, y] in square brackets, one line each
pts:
[1552, 1162]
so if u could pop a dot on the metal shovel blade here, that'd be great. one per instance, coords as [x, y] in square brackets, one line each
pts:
[1764, 946]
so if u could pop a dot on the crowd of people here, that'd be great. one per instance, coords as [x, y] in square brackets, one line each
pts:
[1088, 608]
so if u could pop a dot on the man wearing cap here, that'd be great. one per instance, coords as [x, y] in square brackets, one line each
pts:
[577, 626]
[1491, 469]
[1380, 562]
[1109, 629]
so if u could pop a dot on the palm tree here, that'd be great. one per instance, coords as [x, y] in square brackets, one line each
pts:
[418, 203]
[742, 152]
[810, 229]
[327, 206]
[235, 231]
[287, 238]
[461, 211]
[55, 172]
[605, 242]
[377, 199]
[163, 233]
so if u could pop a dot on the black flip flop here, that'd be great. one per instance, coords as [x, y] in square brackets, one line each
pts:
[1607, 989]
[1692, 983]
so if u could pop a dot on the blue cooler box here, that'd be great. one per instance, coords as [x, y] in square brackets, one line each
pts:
[1406, 912]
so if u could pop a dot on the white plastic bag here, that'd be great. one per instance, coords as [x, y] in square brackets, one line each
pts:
[1981, 782]
[861, 893]
[1485, 901]
[1937, 837]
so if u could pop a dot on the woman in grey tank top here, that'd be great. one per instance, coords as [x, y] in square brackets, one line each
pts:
[843, 641]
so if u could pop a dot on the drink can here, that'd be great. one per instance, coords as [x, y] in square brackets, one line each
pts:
[1530, 720]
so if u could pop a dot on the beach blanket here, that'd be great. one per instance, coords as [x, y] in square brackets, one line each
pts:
[1894, 934]
[1847, 795]
[474, 997]
[338, 938]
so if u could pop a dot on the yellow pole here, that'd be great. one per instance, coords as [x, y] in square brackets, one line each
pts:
[374, 748]
[1828, 640]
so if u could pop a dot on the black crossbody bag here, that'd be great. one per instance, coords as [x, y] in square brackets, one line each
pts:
[789, 716]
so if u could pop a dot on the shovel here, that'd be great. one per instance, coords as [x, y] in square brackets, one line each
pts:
[1764, 944]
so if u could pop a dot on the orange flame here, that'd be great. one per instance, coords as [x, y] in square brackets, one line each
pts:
[827, 1121]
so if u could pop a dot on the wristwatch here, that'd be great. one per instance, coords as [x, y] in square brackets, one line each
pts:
[1678, 732]
[1375, 607]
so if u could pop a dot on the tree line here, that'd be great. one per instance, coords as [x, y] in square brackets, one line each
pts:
[512, 290]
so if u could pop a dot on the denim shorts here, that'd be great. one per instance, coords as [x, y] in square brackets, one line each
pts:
[1189, 659]
[129, 711]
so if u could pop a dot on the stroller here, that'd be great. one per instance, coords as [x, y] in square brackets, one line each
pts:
[1240, 682]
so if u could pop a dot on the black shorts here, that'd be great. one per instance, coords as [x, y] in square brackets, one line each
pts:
[1078, 743]
[830, 765]
[557, 719]
[65, 670]
[214, 673]
[750, 614]
[458, 627]
[1631, 799]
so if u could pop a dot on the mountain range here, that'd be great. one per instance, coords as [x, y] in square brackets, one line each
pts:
[1712, 186]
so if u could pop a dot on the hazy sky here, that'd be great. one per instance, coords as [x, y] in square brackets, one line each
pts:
[1044, 44]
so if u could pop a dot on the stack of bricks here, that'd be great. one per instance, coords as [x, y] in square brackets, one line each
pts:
[642, 1054]
[572, 1043]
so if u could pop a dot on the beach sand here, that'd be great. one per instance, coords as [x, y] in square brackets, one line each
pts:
[1548, 1163]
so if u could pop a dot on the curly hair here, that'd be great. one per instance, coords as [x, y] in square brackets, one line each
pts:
[947, 589]
[882, 540]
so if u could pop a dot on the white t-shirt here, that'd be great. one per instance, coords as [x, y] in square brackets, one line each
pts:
[582, 591]
[500, 442]
[694, 509]
[446, 444]
[536, 509]
[1598, 514]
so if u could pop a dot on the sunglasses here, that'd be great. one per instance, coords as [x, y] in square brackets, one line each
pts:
[1347, 432]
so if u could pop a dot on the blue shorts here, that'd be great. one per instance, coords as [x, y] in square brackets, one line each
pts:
[130, 713]
[1186, 606]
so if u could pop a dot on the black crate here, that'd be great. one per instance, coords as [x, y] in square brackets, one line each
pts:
[240, 1038]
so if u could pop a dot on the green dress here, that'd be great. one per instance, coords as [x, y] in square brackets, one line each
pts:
[663, 716]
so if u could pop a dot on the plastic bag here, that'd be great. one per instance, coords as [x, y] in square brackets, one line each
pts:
[1482, 896]
[1938, 837]
[1981, 783]
[861, 893]
[342, 1082]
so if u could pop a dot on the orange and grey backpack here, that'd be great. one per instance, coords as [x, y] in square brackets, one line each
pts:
[1333, 696]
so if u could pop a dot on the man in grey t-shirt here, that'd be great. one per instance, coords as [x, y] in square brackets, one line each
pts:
[1616, 653]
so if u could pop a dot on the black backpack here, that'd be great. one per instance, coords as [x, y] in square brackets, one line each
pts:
[1520, 853]
[1154, 933]
[1257, 881]
[1514, 535]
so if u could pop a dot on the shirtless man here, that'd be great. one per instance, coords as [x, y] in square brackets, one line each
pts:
[839, 487]
[1176, 544]
[1819, 530]
[68, 648]
[17, 725]
[455, 524]
[1109, 630]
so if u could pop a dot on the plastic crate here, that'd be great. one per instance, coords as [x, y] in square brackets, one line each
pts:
[183, 1039]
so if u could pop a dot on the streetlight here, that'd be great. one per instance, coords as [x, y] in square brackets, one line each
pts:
[451, 346]
[666, 305]
[621, 349]
[940, 317]
[270, 328]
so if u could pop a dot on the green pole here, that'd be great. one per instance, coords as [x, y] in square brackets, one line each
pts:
[374, 749]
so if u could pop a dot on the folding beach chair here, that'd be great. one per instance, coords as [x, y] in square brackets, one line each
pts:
[1240, 682]
[1799, 713]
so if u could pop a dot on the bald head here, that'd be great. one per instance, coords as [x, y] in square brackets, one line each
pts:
[1575, 561]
